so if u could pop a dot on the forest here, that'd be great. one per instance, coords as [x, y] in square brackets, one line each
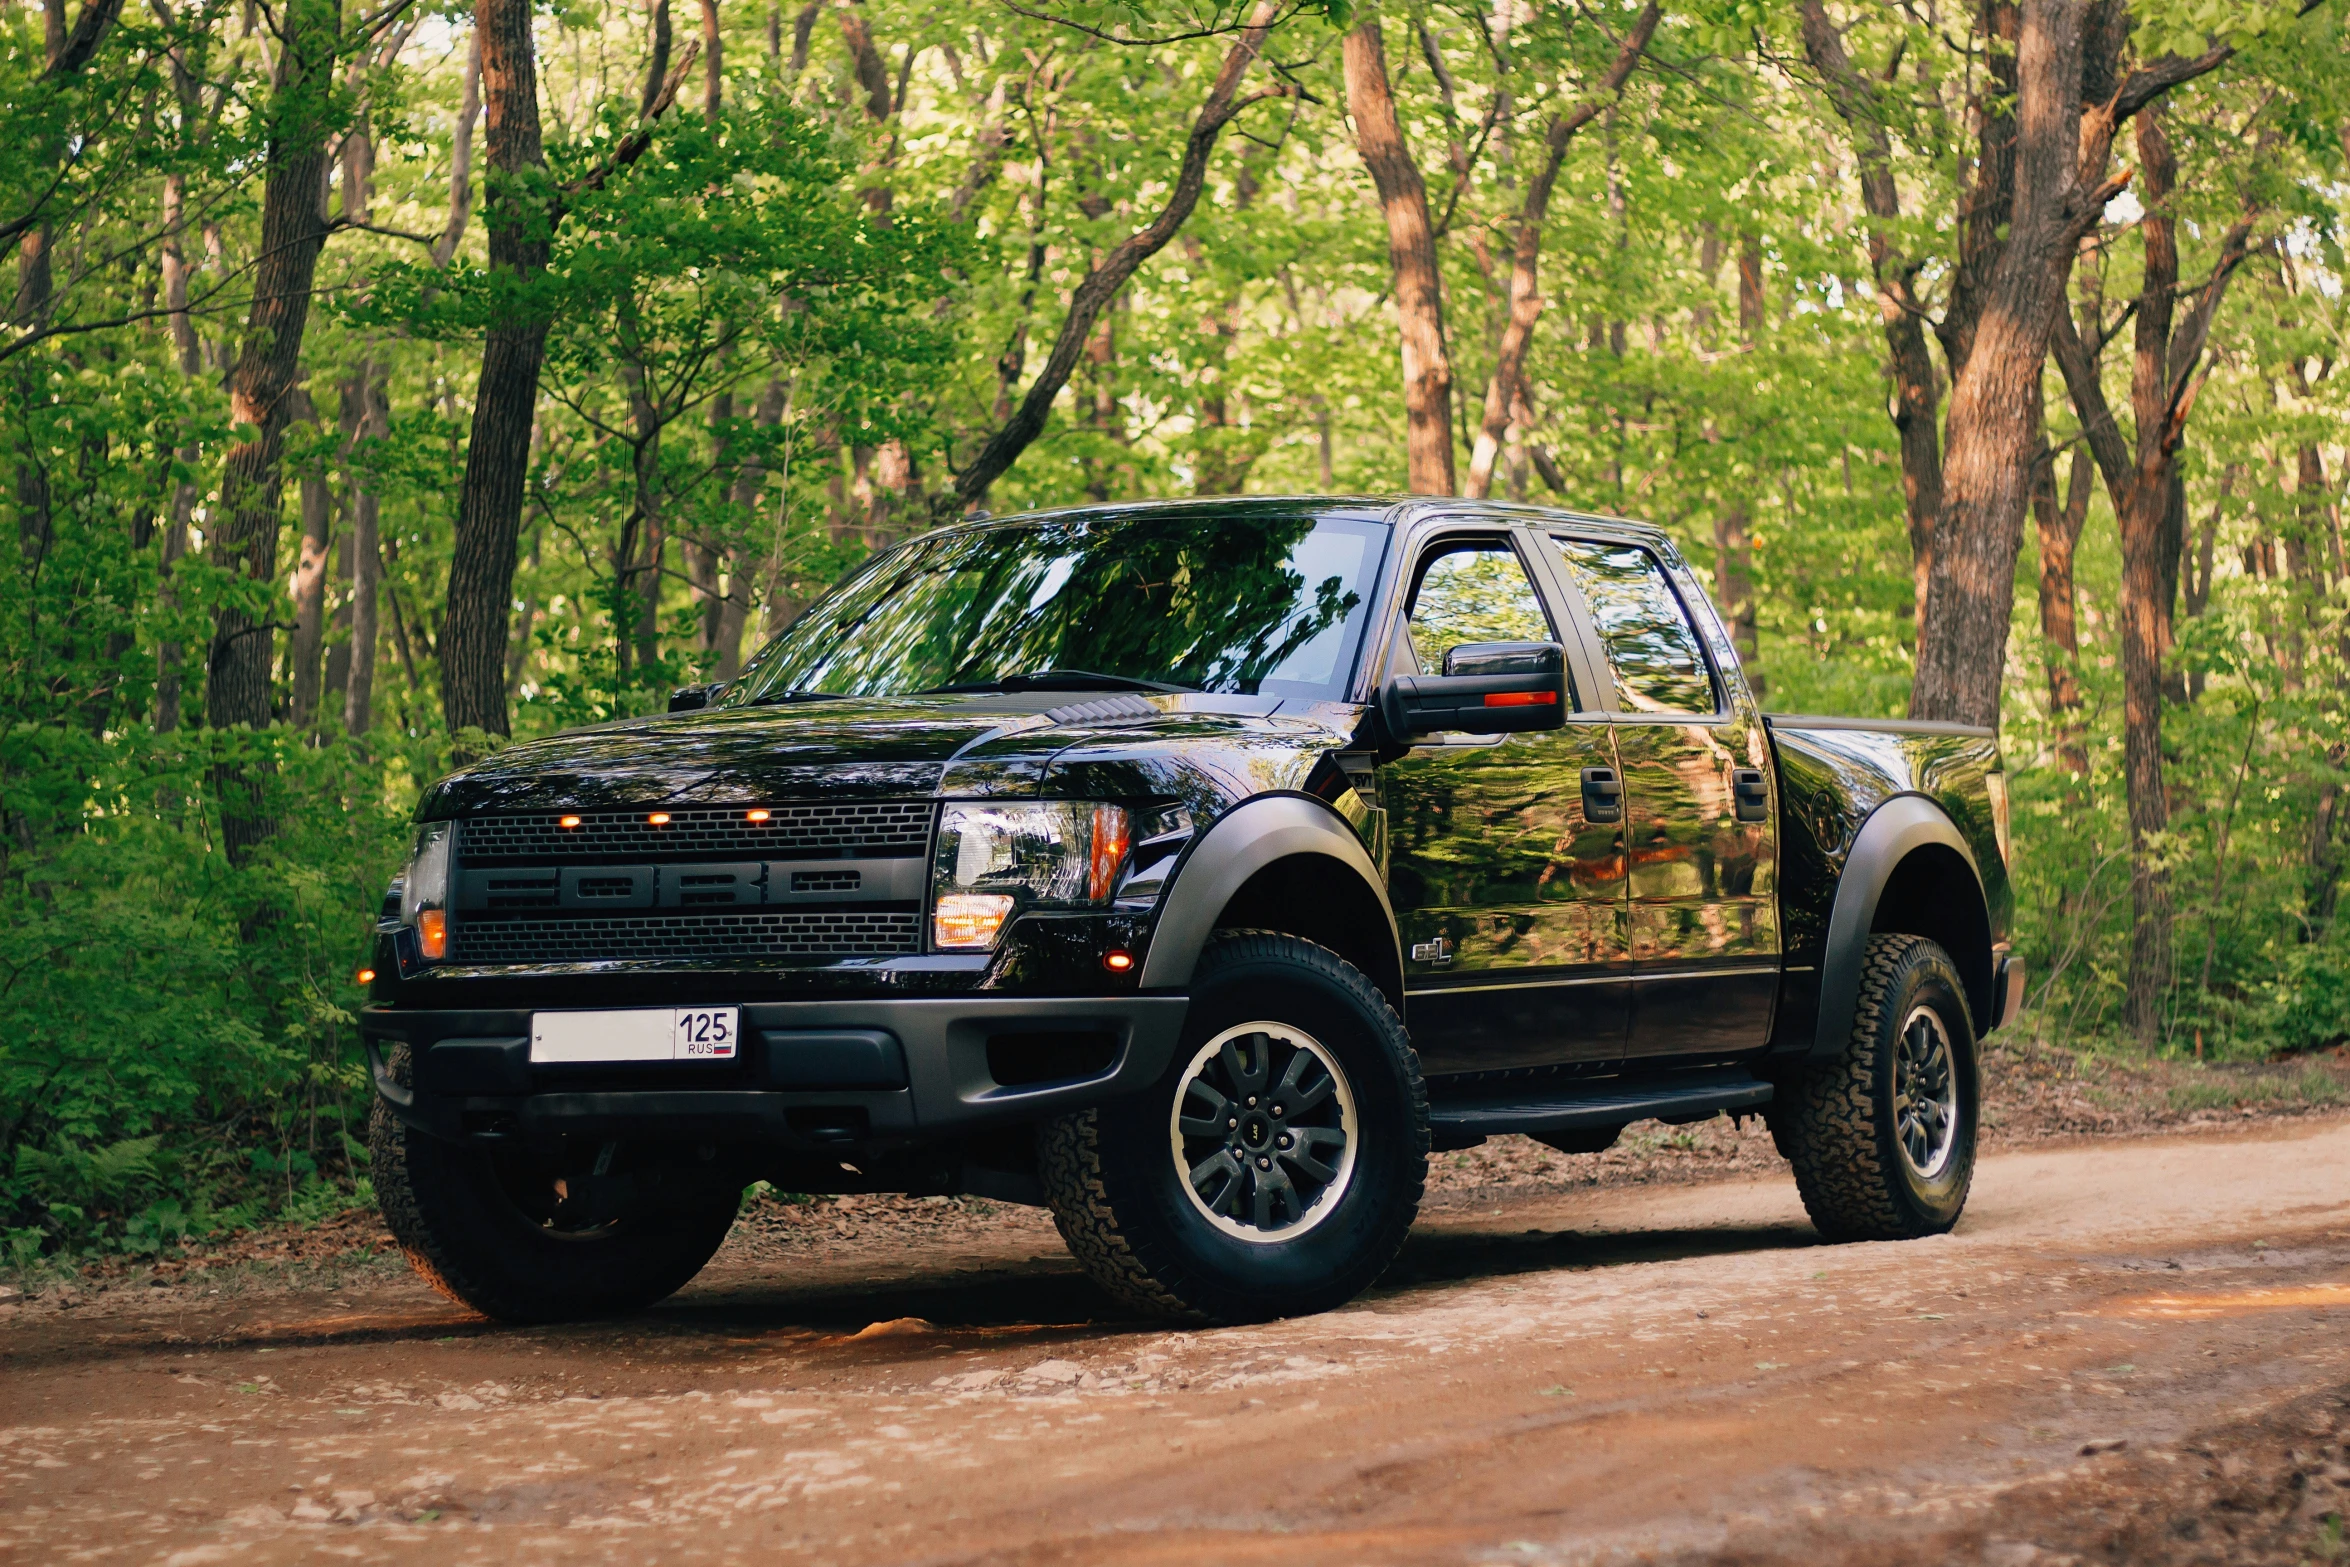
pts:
[385, 380]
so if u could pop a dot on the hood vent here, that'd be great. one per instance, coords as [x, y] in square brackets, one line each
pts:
[1108, 710]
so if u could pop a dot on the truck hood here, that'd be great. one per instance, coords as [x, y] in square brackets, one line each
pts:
[873, 748]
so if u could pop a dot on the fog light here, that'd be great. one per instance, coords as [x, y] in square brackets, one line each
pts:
[432, 933]
[1118, 961]
[567, 822]
[659, 819]
[969, 919]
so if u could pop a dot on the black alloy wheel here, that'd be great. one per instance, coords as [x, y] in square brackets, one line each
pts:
[1276, 1167]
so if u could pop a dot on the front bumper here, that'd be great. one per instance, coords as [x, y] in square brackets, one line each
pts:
[811, 1076]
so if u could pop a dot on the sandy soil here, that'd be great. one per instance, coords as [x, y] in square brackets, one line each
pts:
[2132, 1350]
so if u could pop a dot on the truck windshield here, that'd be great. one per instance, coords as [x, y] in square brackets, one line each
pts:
[1256, 605]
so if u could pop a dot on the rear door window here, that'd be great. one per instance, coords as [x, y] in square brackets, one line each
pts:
[1651, 646]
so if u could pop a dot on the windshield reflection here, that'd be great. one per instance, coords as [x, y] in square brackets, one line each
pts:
[1252, 605]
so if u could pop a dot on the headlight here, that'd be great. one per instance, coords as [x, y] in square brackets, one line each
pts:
[994, 860]
[424, 890]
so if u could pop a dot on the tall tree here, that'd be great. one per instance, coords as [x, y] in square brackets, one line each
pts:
[1916, 391]
[263, 383]
[1525, 288]
[1411, 260]
[2072, 97]
[2149, 506]
[520, 213]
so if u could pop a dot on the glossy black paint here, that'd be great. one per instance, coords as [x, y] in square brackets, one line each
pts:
[1833, 772]
[1569, 943]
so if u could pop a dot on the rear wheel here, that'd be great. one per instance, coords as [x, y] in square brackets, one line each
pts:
[525, 1238]
[1276, 1167]
[1883, 1138]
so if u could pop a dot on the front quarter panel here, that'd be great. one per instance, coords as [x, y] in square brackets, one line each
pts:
[1221, 861]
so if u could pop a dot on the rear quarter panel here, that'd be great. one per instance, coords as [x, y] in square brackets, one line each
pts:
[1833, 772]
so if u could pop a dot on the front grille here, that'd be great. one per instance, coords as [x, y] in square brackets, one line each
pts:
[878, 829]
[687, 937]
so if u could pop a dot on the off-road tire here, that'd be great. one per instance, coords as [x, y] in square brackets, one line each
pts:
[1119, 1199]
[1838, 1124]
[445, 1206]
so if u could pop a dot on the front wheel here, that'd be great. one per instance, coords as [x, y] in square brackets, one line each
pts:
[1883, 1138]
[518, 1237]
[1275, 1169]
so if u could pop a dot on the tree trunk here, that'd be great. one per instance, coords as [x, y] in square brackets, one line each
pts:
[293, 230]
[735, 606]
[1915, 394]
[189, 352]
[366, 556]
[657, 62]
[461, 159]
[262, 384]
[2142, 640]
[309, 645]
[1101, 285]
[1411, 257]
[2060, 534]
[518, 656]
[2149, 509]
[703, 558]
[642, 575]
[1525, 297]
[713, 55]
[1994, 429]
[497, 458]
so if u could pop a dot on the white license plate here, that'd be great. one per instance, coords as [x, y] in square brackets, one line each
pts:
[638, 1034]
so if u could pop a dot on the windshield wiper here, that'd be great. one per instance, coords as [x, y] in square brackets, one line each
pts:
[795, 696]
[1060, 680]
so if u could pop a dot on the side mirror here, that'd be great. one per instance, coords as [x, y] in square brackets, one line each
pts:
[1486, 688]
[686, 699]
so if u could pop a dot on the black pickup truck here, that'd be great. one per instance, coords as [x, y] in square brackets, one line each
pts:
[1194, 869]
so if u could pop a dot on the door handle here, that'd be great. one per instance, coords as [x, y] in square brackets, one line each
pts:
[1603, 795]
[1753, 792]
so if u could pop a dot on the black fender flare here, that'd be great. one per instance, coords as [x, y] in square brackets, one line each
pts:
[1235, 847]
[1895, 830]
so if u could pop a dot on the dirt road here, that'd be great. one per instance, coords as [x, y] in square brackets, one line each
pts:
[1665, 1374]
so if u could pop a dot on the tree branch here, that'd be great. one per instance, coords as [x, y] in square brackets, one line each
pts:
[1241, 26]
[1102, 284]
[632, 146]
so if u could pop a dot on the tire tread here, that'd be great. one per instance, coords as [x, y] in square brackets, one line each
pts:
[1843, 1168]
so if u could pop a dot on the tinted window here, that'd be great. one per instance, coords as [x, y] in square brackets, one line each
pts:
[1474, 594]
[1649, 642]
[1259, 606]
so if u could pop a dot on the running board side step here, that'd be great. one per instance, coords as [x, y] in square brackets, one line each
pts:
[1694, 1096]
